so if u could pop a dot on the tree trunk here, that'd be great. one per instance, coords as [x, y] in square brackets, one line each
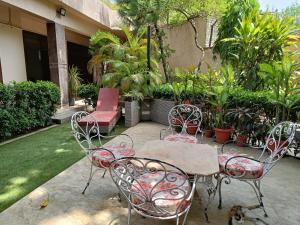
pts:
[162, 51]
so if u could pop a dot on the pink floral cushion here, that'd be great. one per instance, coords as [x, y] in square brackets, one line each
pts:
[103, 158]
[161, 196]
[182, 138]
[245, 168]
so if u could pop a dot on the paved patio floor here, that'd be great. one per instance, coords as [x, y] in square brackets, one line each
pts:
[99, 206]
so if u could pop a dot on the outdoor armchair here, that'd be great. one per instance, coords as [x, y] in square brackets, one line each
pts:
[88, 136]
[153, 188]
[251, 171]
[184, 124]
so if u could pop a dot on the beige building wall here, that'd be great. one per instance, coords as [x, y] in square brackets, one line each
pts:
[181, 39]
[12, 54]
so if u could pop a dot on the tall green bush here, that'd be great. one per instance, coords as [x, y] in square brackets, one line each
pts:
[26, 106]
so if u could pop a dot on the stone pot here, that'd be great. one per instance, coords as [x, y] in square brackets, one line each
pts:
[132, 113]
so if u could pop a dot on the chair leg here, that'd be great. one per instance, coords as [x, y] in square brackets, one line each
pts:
[89, 180]
[104, 173]
[220, 192]
[260, 196]
[129, 214]
[185, 217]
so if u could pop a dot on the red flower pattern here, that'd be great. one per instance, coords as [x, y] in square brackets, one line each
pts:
[185, 138]
[102, 158]
[248, 169]
[158, 188]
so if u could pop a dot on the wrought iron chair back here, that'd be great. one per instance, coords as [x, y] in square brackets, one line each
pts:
[87, 134]
[278, 141]
[167, 183]
[185, 116]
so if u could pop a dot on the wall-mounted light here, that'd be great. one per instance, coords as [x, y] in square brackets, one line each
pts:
[61, 11]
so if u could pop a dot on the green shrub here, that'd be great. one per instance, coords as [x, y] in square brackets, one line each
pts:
[26, 106]
[88, 91]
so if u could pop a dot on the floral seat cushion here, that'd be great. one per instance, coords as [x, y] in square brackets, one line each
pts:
[103, 158]
[245, 168]
[157, 195]
[182, 138]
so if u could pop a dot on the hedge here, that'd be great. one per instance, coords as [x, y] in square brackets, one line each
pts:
[26, 106]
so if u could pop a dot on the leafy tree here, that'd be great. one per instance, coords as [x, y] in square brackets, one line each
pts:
[293, 11]
[139, 13]
[235, 12]
[282, 80]
[258, 39]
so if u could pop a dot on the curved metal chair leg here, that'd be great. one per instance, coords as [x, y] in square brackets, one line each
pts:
[89, 180]
[129, 214]
[220, 192]
[104, 173]
[185, 217]
[256, 189]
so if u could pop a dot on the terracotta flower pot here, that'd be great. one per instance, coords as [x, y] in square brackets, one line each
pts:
[241, 140]
[222, 135]
[208, 133]
[192, 128]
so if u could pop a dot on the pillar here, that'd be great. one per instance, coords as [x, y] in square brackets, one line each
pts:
[58, 63]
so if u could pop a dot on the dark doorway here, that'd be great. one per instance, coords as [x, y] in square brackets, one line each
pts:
[36, 56]
[78, 55]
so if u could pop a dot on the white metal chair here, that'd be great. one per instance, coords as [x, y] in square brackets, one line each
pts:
[184, 124]
[88, 136]
[153, 189]
[252, 171]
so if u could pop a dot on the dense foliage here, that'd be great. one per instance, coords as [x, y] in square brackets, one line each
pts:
[126, 62]
[88, 91]
[231, 18]
[26, 106]
[157, 13]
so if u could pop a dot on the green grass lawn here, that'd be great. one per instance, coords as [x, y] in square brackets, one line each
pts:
[27, 163]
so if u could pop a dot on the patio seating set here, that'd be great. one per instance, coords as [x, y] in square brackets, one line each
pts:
[159, 180]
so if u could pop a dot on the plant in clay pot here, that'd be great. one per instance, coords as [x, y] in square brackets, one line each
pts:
[219, 101]
[241, 117]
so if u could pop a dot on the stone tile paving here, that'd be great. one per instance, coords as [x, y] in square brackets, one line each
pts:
[99, 206]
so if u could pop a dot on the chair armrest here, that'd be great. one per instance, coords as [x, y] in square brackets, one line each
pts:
[128, 140]
[227, 142]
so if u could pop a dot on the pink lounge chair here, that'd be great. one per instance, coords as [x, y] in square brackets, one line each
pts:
[107, 111]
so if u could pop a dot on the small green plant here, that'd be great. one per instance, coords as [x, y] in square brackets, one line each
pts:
[74, 81]
[88, 91]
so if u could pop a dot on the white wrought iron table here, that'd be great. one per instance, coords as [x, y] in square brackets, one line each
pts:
[200, 160]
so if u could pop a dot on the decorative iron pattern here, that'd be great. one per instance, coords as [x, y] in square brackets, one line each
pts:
[149, 199]
[182, 117]
[277, 143]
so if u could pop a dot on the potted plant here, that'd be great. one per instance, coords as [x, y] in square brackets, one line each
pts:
[241, 117]
[74, 84]
[220, 101]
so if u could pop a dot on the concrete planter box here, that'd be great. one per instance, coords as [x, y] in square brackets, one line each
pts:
[160, 110]
[132, 113]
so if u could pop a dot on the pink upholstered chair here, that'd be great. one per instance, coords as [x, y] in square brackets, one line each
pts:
[251, 171]
[153, 188]
[184, 124]
[107, 111]
[89, 138]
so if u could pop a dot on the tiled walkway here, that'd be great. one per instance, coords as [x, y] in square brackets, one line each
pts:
[99, 206]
